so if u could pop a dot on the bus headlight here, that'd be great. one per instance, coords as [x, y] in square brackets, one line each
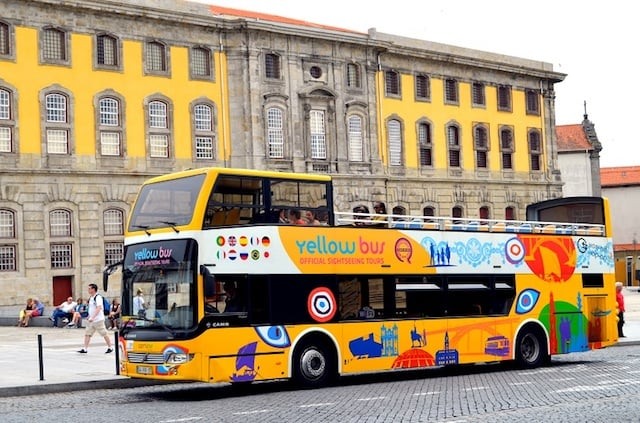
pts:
[178, 358]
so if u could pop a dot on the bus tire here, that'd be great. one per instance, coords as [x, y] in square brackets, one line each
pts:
[314, 364]
[531, 348]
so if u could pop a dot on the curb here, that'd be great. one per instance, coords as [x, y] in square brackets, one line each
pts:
[53, 388]
[626, 343]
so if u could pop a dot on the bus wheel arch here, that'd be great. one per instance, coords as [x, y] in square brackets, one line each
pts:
[315, 361]
[531, 347]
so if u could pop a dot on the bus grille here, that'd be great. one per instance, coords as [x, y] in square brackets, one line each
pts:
[145, 358]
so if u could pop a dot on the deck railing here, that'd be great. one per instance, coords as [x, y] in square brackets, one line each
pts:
[466, 224]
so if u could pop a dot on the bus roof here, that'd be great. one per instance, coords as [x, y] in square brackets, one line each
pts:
[241, 172]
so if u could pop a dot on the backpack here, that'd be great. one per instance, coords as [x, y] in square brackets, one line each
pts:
[106, 305]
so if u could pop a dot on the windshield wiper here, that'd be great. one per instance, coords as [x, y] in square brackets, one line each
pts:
[157, 321]
[143, 227]
[172, 224]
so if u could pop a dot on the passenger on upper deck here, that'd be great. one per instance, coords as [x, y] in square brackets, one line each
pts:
[295, 217]
[381, 210]
[359, 220]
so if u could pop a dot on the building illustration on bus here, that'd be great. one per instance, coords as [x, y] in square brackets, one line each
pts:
[236, 293]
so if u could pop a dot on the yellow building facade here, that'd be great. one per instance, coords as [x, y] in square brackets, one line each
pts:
[96, 99]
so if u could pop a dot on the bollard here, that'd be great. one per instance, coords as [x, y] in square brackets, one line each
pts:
[116, 348]
[40, 360]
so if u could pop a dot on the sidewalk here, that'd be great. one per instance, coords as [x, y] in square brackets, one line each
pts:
[66, 370]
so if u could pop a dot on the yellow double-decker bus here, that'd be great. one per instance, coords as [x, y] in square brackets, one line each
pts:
[223, 282]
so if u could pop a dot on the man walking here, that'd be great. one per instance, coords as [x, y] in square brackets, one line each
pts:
[95, 320]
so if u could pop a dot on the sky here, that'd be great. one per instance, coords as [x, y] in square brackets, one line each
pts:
[590, 41]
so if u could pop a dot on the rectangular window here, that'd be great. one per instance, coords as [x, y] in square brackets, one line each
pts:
[533, 102]
[61, 256]
[450, 91]
[200, 62]
[107, 50]
[7, 258]
[204, 148]
[481, 159]
[504, 98]
[272, 66]
[113, 252]
[57, 142]
[318, 135]
[5, 46]
[5, 140]
[53, 45]
[506, 161]
[159, 145]
[478, 94]
[353, 75]
[392, 83]
[110, 143]
[422, 87]
[156, 57]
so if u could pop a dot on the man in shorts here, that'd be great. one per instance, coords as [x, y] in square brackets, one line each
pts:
[95, 320]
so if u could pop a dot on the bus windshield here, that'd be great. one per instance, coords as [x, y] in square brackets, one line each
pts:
[158, 284]
[166, 204]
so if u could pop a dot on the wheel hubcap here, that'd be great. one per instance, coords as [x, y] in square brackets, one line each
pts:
[312, 364]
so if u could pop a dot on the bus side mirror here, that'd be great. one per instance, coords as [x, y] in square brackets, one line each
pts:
[107, 271]
[209, 281]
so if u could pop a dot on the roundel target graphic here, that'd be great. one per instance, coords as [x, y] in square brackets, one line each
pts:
[514, 251]
[321, 304]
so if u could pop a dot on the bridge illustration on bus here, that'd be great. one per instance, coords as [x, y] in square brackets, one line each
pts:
[240, 288]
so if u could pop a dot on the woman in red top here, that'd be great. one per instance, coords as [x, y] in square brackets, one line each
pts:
[620, 301]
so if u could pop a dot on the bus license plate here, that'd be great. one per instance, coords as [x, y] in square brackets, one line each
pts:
[144, 370]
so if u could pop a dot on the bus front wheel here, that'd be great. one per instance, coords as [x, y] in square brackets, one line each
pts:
[530, 348]
[314, 365]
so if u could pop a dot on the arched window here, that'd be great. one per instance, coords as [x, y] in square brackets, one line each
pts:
[8, 241]
[394, 131]
[481, 145]
[356, 140]
[110, 126]
[57, 123]
[506, 148]
[113, 226]
[113, 221]
[275, 133]
[353, 75]
[204, 134]
[453, 142]
[159, 129]
[7, 122]
[535, 149]
[425, 147]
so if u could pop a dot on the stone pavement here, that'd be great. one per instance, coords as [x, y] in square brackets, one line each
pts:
[65, 370]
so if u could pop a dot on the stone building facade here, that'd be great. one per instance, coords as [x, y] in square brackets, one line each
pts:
[96, 98]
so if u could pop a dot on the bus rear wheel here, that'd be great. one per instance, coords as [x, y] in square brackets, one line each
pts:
[530, 348]
[314, 365]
